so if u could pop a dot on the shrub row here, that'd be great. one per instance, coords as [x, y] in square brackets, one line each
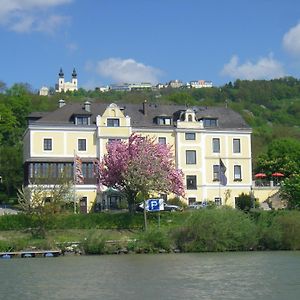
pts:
[233, 230]
[202, 230]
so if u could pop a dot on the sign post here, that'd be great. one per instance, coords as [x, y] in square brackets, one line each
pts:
[155, 205]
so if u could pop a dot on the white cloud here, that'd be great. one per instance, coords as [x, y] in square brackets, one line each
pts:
[31, 15]
[264, 68]
[125, 70]
[291, 40]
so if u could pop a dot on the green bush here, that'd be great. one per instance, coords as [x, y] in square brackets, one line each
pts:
[269, 231]
[289, 223]
[216, 230]
[94, 243]
[153, 240]
[16, 222]
[5, 246]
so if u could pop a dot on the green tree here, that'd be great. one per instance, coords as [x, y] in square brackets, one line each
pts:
[8, 123]
[290, 191]
[282, 155]
[11, 168]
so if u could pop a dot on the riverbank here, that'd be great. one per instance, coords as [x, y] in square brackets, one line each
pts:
[207, 230]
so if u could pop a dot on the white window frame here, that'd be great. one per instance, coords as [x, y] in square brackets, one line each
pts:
[78, 145]
[216, 146]
[237, 172]
[190, 136]
[113, 122]
[49, 142]
[236, 145]
[191, 157]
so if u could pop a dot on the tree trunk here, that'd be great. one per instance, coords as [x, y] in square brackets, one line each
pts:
[131, 197]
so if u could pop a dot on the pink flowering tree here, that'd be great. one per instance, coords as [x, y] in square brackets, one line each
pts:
[140, 166]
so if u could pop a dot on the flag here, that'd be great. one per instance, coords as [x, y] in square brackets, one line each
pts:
[78, 177]
[223, 178]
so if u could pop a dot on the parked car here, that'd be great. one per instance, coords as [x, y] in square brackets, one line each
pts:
[196, 205]
[167, 207]
[171, 207]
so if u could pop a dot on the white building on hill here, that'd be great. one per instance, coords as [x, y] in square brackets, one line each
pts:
[64, 86]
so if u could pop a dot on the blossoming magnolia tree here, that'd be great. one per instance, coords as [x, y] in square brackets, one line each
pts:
[140, 165]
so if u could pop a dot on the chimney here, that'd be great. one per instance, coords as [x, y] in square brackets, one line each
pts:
[61, 103]
[87, 106]
[144, 107]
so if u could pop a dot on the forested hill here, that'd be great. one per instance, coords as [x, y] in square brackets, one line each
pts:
[271, 108]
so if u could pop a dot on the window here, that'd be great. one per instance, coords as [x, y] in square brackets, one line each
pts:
[82, 145]
[191, 182]
[162, 140]
[216, 172]
[236, 146]
[82, 120]
[210, 122]
[113, 140]
[190, 157]
[47, 144]
[218, 201]
[113, 122]
[163, 121]
[237, 173]
[216, 145]
[190, 136]
[88, 170]
[190, 118]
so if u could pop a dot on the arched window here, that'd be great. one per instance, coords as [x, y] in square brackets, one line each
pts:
[190, 118]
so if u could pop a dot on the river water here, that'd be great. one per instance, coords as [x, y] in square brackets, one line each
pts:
[234, 275]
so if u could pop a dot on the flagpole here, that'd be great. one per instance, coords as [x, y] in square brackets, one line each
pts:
[74, 182]
[220, 177]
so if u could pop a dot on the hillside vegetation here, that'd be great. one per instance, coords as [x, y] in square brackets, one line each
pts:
[271, 108]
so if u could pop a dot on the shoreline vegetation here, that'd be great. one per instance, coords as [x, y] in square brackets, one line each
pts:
[204, 230]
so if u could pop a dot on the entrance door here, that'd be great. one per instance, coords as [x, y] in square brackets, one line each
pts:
[83, 205]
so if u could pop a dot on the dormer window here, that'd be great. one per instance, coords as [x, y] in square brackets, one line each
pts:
[113, 122]
[164, 121]
[210, 122]
[190, 118]
[82, 120]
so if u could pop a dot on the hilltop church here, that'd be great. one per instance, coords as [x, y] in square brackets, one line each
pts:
[64, 86]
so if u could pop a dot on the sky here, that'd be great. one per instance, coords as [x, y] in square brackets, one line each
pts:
[115, 41]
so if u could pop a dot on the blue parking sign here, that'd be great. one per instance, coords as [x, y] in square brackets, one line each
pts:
[153, 205]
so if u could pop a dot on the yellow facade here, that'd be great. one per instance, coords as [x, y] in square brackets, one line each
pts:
[198, 150]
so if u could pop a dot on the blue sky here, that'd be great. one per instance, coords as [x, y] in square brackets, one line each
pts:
[110, 41]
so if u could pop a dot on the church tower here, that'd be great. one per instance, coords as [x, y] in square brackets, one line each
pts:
[74, 79]
[61, 81]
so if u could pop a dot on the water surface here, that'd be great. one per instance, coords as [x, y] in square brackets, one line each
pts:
[242, 275]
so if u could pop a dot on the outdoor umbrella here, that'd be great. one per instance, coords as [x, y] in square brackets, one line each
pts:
[277, 174]
[260, 175]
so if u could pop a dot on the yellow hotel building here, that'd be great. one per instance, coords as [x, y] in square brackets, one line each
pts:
[202, 138]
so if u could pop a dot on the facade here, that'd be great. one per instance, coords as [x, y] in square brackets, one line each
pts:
[208, 142]
[64, 86]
